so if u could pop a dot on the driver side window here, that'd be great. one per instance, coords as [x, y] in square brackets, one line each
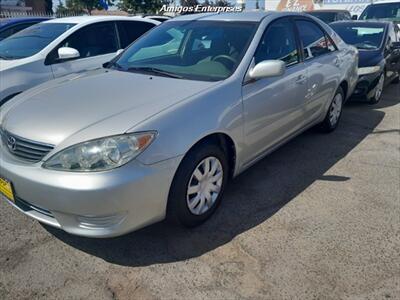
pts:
[278, 42]
[93, 40]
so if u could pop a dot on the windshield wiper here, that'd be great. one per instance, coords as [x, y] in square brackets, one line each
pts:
[155, 71]
[113, 64]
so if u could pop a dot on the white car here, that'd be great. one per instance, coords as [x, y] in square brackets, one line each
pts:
[62, 46]
[158, 18]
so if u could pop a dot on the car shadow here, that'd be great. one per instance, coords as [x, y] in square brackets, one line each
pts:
[251, 198]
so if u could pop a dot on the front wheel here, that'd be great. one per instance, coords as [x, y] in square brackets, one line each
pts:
[198, 185]
[334, 113]
[397, 79]
[377, 93]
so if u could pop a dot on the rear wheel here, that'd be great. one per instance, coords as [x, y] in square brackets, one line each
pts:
[198, 185]
[334, 113]
[377, 94]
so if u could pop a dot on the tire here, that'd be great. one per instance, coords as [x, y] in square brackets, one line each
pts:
[396, 80]
[181, 203]
[378, 90]
[334, 113]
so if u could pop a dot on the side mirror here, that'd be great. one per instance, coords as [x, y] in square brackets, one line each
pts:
[67, 53]
[354, 17]
[268, 68]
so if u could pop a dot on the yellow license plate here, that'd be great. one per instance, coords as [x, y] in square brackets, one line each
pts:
[6, 189]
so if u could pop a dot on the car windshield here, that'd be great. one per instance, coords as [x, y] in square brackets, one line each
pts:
[197, 50]
[31, 40]
[4, 22]
[327, 17]
[363, 37]
[387, 11]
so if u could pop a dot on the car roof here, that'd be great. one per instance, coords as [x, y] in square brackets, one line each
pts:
[157, 16]
[327, 11]
[362, 22]
[10, 21]
[95, 19]
[385, 2]
[248, 16]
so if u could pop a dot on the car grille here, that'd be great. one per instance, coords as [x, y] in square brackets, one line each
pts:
[24, 148]
[26, 206]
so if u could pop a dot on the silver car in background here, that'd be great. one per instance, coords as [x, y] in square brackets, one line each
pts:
[160, 131]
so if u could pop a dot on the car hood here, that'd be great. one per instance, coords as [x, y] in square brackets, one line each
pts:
[91, 105]
[369, 58]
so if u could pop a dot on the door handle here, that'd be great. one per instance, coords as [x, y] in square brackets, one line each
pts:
[301, 79]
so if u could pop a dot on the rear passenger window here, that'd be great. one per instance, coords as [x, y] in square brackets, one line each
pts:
[93, 40]
[329, 43]
[278, 42]
[346, 16]
[129, 31]
[315, 42]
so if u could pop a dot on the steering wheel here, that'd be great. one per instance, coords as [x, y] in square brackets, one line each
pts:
[223, 57]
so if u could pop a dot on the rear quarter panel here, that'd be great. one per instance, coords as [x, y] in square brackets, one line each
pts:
[349, 58]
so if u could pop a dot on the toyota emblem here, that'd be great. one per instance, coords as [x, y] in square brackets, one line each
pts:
[11, 143]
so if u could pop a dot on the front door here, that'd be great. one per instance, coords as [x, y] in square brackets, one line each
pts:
[96, 43]
[274, 107]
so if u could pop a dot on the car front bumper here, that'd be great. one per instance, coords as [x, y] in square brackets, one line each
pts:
[366, 85]
[98, 204]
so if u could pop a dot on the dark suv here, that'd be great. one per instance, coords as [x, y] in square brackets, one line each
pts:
[382, 11]
[332, 15]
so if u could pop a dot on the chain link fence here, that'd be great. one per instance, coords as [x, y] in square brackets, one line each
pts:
[24, 14]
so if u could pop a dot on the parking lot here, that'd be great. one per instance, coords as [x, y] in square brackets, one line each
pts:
[319, 218]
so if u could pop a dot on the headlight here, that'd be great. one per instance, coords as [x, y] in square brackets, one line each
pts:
[368, 70]
[101, 154]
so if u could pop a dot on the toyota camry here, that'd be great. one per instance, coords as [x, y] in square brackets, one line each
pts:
[161, 128]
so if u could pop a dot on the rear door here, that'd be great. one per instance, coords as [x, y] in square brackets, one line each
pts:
[323, 63]
[96, 43]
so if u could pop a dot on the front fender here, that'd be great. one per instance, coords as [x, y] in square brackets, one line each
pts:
[218, 110]
[350, 74]
[22, 77]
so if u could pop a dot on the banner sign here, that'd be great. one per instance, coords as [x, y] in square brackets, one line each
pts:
[355, 7]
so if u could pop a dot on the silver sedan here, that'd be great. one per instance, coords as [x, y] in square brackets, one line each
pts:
[159, 131]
